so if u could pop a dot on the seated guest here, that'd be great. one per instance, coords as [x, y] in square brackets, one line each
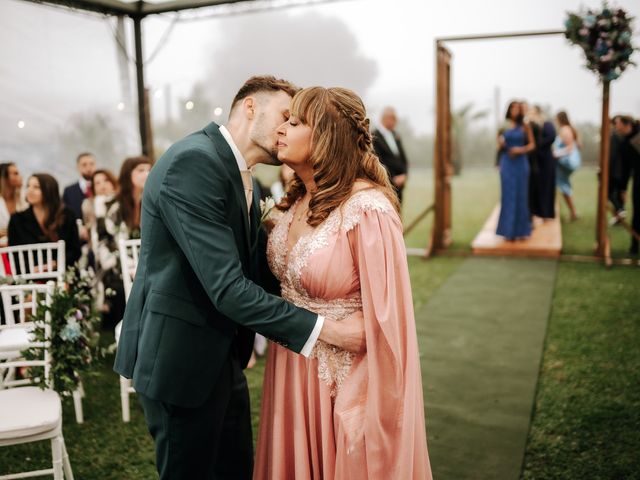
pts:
[10, 197]
[46, 220]
[94, 210]
[75, 193]
[104, 186]
[121, 221]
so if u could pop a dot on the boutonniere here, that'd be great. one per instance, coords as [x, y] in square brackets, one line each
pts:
[266, 206]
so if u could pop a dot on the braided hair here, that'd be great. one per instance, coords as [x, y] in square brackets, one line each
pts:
[341, 151]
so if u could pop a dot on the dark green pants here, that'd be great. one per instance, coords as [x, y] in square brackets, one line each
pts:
[210, 442]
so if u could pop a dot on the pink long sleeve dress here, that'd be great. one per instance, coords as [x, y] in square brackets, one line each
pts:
[337, 415]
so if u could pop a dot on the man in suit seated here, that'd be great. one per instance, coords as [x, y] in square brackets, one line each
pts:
[75, 193]
[388, 147]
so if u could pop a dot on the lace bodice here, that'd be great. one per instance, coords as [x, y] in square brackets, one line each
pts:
[319, 273]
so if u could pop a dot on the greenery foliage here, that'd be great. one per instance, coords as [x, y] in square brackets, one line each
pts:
[74, 331]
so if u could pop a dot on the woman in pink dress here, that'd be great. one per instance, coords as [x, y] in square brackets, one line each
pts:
[338, 249]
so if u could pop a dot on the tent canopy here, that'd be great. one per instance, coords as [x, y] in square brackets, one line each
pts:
[136, 8]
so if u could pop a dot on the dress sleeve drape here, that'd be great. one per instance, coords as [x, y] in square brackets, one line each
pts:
[380, 408]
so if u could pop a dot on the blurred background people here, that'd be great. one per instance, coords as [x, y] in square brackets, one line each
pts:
[279, 187]
[628, 161]
[121, 221]
[75, 193]
[94, 210]
[47, 219]
[104, 185]
[388, 148]
[516, 141]
[566, 149]
[532, 156]
[10, 197]
[545, 180]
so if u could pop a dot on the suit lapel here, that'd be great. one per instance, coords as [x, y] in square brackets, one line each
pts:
[222, 147]
[384, 143]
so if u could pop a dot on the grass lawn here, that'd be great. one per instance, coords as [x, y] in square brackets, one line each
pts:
[477, 191]
[587, 413]
[587, 418]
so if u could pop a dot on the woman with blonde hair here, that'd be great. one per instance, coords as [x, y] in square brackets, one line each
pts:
[338, 249]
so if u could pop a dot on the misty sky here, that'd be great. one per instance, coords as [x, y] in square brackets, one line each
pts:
[55, 63]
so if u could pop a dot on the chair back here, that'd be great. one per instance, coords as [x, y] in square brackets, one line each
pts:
[33, 262]
[20, 303]
[129, 253]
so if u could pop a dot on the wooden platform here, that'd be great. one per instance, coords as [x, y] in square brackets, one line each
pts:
[545, 240]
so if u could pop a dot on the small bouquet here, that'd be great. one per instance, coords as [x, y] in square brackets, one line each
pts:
[605, 36]
[266, 206]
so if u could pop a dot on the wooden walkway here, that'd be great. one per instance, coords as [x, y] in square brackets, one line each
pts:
[545, 240]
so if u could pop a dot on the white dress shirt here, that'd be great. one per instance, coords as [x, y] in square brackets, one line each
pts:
[390, 139]
[242, 165]
[84, 184]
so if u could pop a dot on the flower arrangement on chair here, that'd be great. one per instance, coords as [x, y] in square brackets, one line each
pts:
[606, 38]
[74, 330]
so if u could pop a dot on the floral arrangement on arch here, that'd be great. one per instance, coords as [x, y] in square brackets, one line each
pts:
[75, 327]
[606, 38]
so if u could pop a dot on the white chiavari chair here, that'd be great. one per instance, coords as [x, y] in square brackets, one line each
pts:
[129, 253]
[38, 262]
[34, 262]
[29, 413]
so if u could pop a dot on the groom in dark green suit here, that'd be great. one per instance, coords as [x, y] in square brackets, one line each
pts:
[188, 327]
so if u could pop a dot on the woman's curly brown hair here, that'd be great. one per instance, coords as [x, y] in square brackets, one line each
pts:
[341, 151]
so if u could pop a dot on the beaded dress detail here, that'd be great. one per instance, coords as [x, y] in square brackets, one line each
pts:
[333, 363]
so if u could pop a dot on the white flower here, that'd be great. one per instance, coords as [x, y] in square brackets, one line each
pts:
[266, 206]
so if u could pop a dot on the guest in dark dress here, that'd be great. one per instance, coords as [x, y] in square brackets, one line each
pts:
[534, 167]
[515, 219]
[46, 219]
[546, 178]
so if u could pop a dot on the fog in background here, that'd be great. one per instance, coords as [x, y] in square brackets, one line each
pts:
[62, 75]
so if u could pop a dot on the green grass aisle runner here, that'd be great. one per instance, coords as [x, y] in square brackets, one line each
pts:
[481, 338]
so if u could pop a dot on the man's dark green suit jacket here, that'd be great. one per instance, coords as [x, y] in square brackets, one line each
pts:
[192, 296]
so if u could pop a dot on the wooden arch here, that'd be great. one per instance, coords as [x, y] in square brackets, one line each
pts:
[442, 161]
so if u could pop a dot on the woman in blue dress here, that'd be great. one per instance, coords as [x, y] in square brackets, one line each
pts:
[515, 143]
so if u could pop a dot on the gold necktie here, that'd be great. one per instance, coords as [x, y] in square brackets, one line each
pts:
[247, 181]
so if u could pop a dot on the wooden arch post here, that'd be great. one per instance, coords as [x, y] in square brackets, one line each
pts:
[603, 249]
[442, 165]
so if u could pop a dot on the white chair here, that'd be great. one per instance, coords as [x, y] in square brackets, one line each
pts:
[28, 413]
[129, 253]
[37, 262]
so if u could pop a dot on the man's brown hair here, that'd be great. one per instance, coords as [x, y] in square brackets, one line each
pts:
[263, 83]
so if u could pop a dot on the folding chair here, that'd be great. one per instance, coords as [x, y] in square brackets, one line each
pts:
[129, 253]
[28, 413]
[34, 263]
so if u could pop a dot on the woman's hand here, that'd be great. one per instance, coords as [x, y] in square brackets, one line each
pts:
[347, 334]
[514, 151]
